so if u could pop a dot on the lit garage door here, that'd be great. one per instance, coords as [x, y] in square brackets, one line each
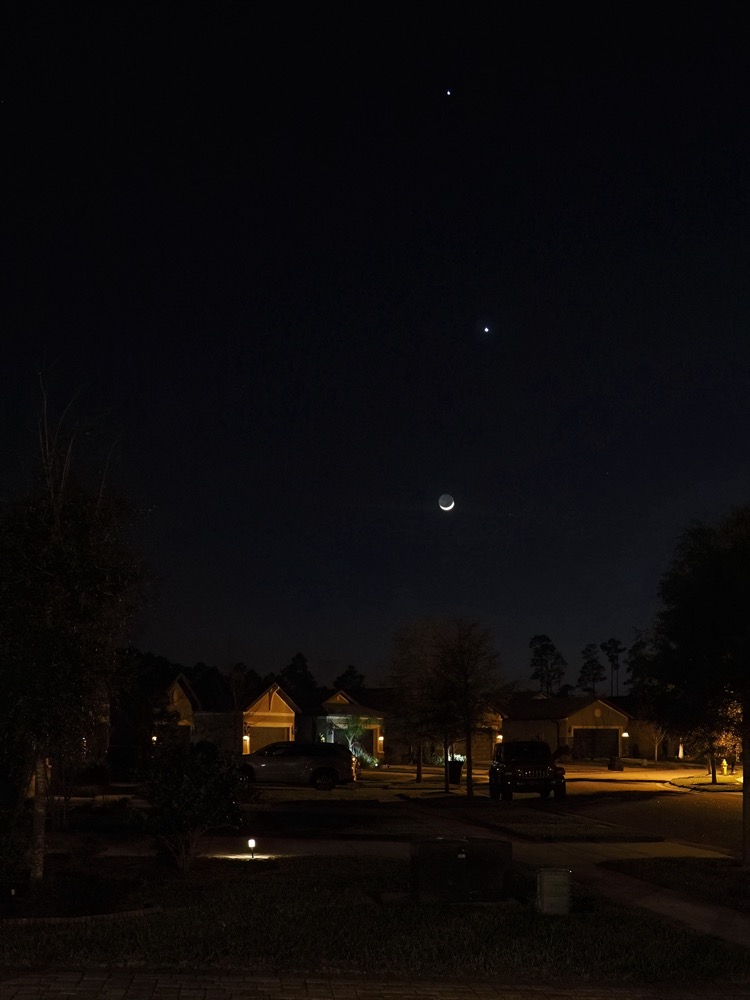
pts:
[261, 736]
[590, 743]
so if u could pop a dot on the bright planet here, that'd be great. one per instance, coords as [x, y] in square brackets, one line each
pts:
[446, 502]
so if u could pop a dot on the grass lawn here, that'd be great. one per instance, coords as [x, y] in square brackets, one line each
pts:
[355, 915]
[305, 816]
[530, 819]
[703, 783]
[551, 829]
[715, 880]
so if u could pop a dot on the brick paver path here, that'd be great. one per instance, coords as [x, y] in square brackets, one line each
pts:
[121, 984]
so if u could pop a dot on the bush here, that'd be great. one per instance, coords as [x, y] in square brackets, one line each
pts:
[192, 791]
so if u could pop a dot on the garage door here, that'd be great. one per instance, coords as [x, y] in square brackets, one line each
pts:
[261, 736]
[591, 743]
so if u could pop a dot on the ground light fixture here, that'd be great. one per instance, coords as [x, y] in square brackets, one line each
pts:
[251, 845]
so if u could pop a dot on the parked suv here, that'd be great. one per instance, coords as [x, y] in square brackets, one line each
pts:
[322, 765]
[525, 766]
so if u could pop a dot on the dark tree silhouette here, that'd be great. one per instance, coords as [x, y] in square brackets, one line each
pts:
[70, 586]
[703, 629]
[444, 678]
[613, 650]
[297, 680]
[547, 663]
[351, 681]
[592, 670]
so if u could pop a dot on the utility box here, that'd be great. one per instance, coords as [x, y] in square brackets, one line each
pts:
[460, 870]
[553, 891]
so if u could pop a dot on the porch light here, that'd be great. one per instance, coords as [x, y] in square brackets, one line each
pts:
[625, 735]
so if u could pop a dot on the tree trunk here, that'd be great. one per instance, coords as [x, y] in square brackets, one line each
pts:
[20, 801]
[38, 839]
[469, 762]
[445, 766]
[420, 747]
[712, 765]
[745, 782]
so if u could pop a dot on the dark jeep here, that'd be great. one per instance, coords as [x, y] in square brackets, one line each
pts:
[525, 766]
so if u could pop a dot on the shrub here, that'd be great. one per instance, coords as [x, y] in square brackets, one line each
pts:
[191, 791]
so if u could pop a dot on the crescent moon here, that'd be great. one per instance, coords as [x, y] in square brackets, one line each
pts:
[446, 502]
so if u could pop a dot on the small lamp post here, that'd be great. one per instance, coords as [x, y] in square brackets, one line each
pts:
[251, 845]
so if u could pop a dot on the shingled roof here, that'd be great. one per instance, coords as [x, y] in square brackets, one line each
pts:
[530, 709]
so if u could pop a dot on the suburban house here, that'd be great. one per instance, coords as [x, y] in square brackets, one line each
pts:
[208, 715]
[588, 726]
[271, 718]
[341, 716]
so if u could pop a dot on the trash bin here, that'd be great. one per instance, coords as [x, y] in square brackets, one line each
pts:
[454, 771]
[553, 891]
[615, 764]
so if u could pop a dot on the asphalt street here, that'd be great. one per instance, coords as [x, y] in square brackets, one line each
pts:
[645, 801]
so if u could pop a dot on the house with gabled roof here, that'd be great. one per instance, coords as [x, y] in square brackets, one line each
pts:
[588, 726]
[205, 714]
[341, 713]
[210, 715]
[270, 718]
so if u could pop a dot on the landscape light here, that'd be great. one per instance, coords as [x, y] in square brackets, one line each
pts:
[251, 845]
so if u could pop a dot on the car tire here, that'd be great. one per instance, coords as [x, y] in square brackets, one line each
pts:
[506, 795]
[561, 793]
[324, 780]
[494, 792]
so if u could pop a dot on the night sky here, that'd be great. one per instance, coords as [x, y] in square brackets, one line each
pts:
[306, 291]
